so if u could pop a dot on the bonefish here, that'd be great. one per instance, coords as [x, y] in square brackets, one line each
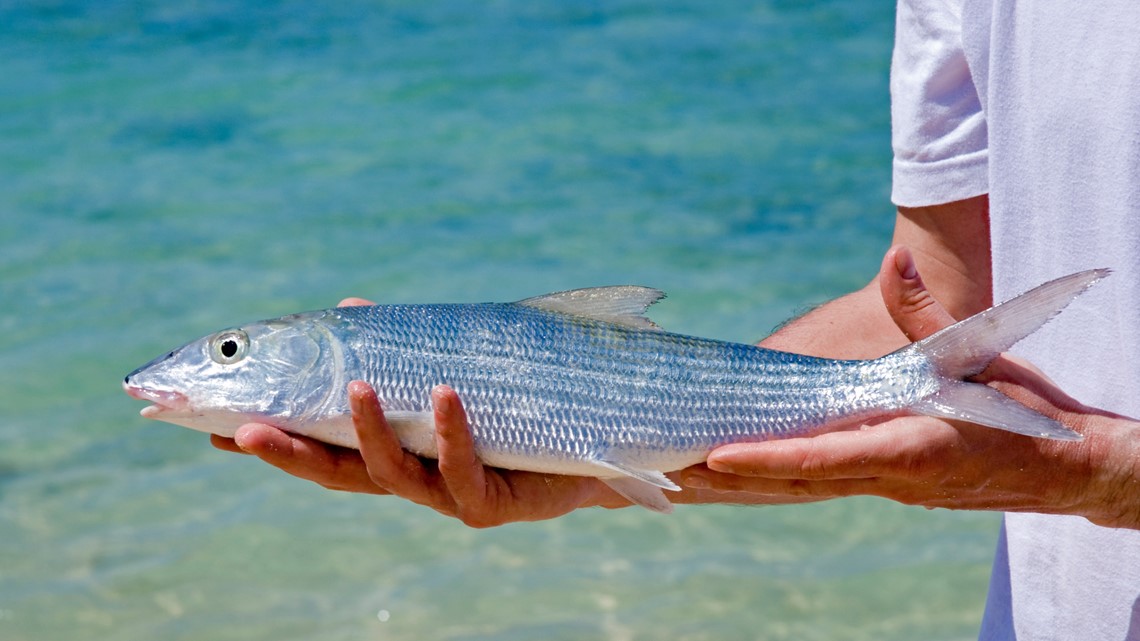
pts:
[581, 382]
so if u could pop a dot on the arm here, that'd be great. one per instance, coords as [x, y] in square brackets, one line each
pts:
[935, 463]
[950, 244]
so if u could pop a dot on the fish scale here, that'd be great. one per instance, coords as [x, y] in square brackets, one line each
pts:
[580, 382]
[629, 397]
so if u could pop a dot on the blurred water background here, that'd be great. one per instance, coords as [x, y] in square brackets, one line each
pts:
[168, 169]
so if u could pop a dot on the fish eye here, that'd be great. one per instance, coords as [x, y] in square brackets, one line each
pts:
[229, 347]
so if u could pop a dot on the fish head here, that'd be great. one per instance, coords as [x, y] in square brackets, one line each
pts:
[277, 372]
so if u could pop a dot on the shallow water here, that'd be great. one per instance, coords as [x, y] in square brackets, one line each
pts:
[169, 170]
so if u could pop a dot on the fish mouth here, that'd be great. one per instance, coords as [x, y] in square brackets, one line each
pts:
[163, 401]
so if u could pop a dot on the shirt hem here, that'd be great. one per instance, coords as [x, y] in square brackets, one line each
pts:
[922, 184]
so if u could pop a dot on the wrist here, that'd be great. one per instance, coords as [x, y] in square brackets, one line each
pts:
[1114, 496]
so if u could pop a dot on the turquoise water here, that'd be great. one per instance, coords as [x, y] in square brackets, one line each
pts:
[169, 170]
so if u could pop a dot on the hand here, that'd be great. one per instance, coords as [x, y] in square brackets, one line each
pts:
[936, 463]
[457, 485]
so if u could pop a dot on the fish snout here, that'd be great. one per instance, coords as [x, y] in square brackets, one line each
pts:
[163, 400]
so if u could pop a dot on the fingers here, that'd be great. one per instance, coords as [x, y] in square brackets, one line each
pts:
[904, 491]
[889, 462]
[780, 490]
[387, 463]
[829, 456]
[910, 304]
[226, 444]
[896, 449]
[332, 467]
[460, 467]
[486, 497]
[461, 486]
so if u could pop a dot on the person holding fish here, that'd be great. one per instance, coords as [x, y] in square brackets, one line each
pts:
[1015, 130]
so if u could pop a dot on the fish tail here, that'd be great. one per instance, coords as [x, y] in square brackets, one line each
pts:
[966, 348]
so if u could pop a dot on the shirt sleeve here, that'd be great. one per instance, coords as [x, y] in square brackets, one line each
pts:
[938, 129]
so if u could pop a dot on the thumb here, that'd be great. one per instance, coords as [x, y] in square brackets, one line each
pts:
[910, 304]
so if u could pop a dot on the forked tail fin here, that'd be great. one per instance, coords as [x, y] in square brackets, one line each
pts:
[966, 348]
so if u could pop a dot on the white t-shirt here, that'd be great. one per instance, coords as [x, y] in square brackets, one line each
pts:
[1038, 104]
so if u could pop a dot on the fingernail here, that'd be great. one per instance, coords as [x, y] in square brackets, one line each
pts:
[904, 263]
[697, 482]
[242, 442]
[442, 401]
[725, 464]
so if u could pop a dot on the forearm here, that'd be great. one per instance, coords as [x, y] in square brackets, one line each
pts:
[854, 326]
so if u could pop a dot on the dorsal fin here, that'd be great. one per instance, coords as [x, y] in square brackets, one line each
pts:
[622, 304]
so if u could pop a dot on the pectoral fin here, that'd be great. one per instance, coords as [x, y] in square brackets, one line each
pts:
[643, 487]
[652, 477]
[647, 496]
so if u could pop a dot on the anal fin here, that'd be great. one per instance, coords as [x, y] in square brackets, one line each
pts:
[642, 487]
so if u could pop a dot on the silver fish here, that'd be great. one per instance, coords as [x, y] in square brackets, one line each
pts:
[581, 382]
